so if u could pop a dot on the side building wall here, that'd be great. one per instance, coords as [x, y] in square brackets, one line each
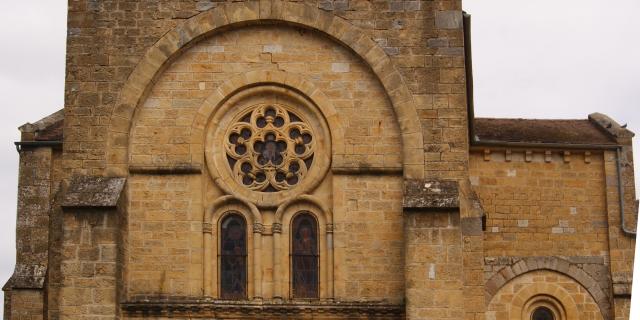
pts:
[551, 211]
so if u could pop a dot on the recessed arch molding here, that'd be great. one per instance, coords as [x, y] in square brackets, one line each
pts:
[559, 265]
[230, 15]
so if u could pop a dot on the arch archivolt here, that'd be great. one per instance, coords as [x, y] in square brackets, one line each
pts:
[217, 209]
[540, 299]
[281, 232]
[282, 244]
[230, 15]
[520, 274]
[285, 81]
[301, 203]
[213, 217]
[549, 295]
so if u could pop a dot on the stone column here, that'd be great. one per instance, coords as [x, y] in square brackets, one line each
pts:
[277, 265]
[433, 251]
[329, 268]
[258, 229]
[207, 230]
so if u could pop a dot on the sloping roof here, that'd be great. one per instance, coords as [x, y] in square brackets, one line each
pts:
[52, 132]
[93, 192]
[541, 131]
[49, 128]
[585, 131]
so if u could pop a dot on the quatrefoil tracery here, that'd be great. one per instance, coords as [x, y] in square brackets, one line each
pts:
[269, 148]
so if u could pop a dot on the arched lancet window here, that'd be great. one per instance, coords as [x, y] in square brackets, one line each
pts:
[233, 257]
[542, 313]
[304, 257]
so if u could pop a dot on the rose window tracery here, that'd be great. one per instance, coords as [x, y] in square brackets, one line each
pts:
[269, 148]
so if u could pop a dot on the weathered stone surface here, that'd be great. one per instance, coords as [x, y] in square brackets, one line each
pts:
[541, 131]
[27, 277]
[89, 192]
[449, 19]
[610, 126]
[622, 284]
[471, 226]
[205, 5]
[430, 194]
[510, 299]
[585, 272]
[166, 170]
[184, 306]
[622, 289]
[432, 266]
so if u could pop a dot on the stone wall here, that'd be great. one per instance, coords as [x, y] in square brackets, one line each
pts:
[368, 238]
[163, 131]
[107, 40]
[433, 266]
[88, 266]
[554, 206]
[86, 283]
[512, 301]
[25, 291]
[164, 255]
[622, 207]
[56, 240]
[34, 190]
[557, 203]
[26, 304]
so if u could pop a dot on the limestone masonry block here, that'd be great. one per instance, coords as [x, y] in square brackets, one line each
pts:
[413, 211]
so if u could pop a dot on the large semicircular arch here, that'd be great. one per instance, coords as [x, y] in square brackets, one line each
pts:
[234, 14]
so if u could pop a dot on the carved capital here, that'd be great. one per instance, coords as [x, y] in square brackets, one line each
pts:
[330, 227]
[207, 228]
[276, 228]
[258, 228]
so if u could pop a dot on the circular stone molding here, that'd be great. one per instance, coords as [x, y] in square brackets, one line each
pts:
[268, 144]
[543, 307]
[270, 148]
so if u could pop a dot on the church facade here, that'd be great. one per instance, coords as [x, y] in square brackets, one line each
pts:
[308, 160]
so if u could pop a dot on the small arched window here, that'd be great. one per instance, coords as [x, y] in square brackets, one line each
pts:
[233, 258]
[543, 313]
[304, 257]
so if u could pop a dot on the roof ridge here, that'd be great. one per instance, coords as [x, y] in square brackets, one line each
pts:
[50, 120]
[563, 131]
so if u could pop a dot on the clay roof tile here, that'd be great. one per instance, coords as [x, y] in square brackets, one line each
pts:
[541, 131]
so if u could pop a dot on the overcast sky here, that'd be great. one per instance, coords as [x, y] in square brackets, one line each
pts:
[534, 59]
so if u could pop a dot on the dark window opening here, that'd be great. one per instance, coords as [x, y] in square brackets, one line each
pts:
[305, 257]
[542, 313]
[233, 258]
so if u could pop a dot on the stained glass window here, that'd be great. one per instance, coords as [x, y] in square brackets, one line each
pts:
[304, 257]
[542, 313]
[270, 148]
[233, 258]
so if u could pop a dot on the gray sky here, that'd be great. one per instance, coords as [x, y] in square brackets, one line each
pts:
[558, 59]
[533, 59]
[31, 86]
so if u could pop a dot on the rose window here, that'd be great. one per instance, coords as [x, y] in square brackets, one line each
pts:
[269, 148]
